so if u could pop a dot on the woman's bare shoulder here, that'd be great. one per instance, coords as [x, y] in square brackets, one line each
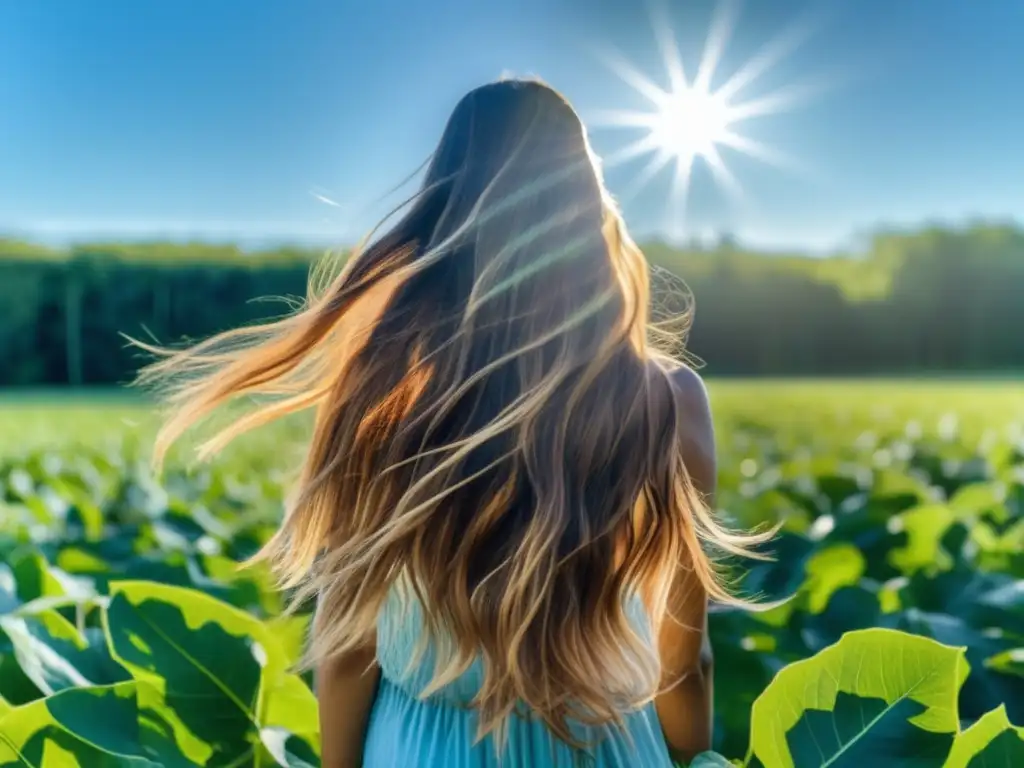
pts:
[690, 391]
[697, 431]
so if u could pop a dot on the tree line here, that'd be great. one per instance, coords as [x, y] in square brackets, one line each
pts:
[934, 300]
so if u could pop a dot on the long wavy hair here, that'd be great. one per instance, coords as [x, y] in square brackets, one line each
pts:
[493, 426]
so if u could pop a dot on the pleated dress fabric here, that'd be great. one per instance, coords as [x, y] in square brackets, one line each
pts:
[409, 731]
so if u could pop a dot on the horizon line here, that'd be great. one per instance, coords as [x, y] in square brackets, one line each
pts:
[241, 234]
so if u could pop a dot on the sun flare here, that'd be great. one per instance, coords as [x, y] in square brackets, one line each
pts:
[690, 120]
[690, 123]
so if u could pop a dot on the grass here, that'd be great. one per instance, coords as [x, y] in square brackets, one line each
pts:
[816, 411]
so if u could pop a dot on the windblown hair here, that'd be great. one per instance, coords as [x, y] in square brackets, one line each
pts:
[493, 426]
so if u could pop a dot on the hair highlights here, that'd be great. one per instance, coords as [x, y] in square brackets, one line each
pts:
[492, 427]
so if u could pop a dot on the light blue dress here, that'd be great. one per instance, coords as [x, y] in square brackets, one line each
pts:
[406, 731]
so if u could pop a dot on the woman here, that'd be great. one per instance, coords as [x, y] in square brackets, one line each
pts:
[503, 513]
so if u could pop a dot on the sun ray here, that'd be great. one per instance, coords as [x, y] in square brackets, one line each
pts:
[666, 41]
[633, 150]
[773, 157]
[633, 77]
[760, 151]
[680, 191]
[777, 101]
[721, 30]
[773, 52]
[725, 179]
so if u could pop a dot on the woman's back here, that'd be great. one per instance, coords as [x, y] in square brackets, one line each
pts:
[407, 728]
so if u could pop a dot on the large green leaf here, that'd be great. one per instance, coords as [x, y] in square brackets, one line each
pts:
[834, 738]
[221, 672]
[985, 688]
[881, 668]
[55, 655]
[97, 727]
[291, 632]
[992, 742]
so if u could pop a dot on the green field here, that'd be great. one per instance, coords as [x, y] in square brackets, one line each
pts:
[903, 551]
[829, 412]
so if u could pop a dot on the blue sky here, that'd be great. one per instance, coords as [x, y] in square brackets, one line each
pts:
[232, 119]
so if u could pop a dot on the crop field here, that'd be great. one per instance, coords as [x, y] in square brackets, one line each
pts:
[129, 636]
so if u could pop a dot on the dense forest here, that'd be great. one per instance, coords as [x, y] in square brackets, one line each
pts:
[933, 300]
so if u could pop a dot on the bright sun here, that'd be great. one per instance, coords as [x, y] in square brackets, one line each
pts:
[690, 121]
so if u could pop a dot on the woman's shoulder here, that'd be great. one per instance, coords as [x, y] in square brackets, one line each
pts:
[689, 389]
[686, 387]
[696, 428]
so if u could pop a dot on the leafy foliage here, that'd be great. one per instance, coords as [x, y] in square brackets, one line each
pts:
[129, 636]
